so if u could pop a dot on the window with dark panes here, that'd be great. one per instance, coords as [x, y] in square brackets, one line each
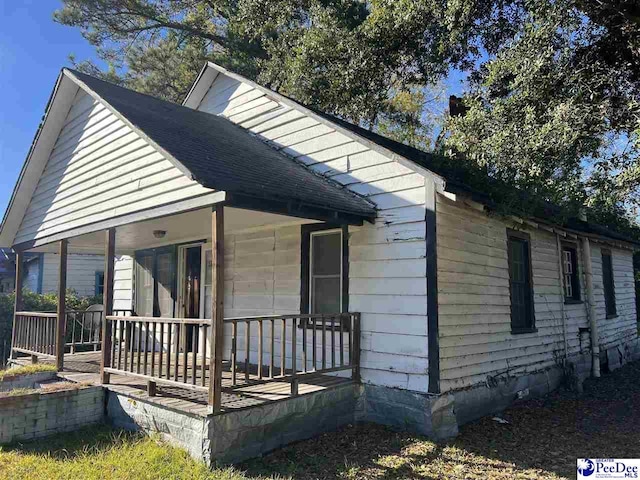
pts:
[99, 284]
[325, 289]
[155, 282]
[520, 285]
[571, 279]
[608, 284]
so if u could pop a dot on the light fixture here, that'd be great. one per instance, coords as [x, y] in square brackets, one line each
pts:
[159, 233]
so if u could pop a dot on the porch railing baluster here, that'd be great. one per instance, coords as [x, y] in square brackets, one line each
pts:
[234, 352]
[176, 360]
[194, 354]
[260, 349]
[272, 349]
[203, 355]
[247, 350]
[182, 358]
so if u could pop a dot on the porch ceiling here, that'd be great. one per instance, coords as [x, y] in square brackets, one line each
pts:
[179, 228]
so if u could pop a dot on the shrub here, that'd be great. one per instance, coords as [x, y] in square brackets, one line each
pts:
[35, 302]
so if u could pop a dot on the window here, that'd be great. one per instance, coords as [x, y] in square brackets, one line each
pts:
[520, 284]
[571, 280]
[609, 287]
[324, 269]
[155, 282]
[99, 286]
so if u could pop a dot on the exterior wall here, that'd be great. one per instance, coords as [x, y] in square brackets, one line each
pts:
[476, 343]
[387, 266]
[623, 328]
[81, 272]
[262, 272]
[98, 169]
[123, 283]
[25, 417]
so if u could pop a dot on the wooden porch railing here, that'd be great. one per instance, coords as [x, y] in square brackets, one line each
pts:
[176, 351]
[34, 333]
[83, 329]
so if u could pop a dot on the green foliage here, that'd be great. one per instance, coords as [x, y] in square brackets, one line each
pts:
[552, 114]
[36, 302]
[102, 452]
[553, 96]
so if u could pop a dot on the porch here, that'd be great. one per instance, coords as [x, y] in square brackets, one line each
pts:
[189, 362]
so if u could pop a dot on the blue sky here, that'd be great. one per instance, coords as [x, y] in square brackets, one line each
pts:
[33, 49]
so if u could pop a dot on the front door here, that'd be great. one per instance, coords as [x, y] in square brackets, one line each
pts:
[191, 257]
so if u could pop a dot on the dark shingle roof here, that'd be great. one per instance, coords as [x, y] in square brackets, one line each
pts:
[223, 156]
[456, 183]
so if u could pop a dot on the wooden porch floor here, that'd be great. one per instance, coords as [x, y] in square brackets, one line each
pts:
[85, 367]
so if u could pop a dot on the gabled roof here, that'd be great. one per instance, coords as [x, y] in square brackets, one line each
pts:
[438, 166]
[221, 155]
[208, 149]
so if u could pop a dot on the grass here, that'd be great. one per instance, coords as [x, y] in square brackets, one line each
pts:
[26, 370]
[542, 440]
[104, 453]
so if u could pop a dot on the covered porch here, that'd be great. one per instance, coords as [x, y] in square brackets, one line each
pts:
[173, 345]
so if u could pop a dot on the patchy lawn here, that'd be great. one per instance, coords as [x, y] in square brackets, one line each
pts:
[103, 453]
[542, 440]
[11, 373]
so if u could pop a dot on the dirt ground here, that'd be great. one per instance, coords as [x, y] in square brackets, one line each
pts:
[543, 439]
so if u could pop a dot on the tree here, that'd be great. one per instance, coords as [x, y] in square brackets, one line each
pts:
[552, 106]
[556, 112]
[364, 61]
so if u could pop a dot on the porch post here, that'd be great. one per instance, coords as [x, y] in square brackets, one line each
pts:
[62, 305]
[107, 297]
[217, 308]
[18, 295]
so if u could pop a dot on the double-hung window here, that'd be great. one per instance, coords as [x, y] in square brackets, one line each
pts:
[520, 284]
[324, 270]
[571, 279]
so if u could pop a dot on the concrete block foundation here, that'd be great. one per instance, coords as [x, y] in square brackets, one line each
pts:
[35, 415]
[242, 434]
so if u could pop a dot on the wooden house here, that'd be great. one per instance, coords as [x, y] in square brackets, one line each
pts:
[264, 257]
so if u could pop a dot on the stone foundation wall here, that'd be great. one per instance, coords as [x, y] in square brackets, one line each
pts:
[239, 435]
[430, 415]
[186, 430]
[35, 415]
[32, 380]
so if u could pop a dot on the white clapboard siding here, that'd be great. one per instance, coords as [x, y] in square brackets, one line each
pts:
[123, 283]
[623, 327]
[474, 305]
[98, 169]
[387, 266]
[81, 273]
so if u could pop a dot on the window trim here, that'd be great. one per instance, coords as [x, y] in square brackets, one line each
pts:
[305, 264]
[522, 236]
[614, 311]
[577, 295]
